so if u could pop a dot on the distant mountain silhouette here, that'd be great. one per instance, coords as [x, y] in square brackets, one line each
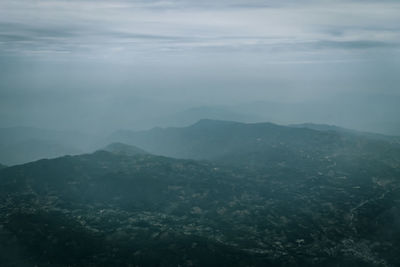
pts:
[325, 127]
[254, 143]
[373, 113]
[191, 115]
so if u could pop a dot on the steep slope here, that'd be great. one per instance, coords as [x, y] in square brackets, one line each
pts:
[111, 209]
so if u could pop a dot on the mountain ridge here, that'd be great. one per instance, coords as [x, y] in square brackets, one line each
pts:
[107, 208]
[124, 149]
[327, 127]
[219, 140]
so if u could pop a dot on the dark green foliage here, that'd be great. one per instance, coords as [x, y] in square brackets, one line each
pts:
[298, 199]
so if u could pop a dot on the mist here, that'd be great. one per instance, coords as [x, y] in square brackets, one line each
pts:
[100, 66]
[199, 133]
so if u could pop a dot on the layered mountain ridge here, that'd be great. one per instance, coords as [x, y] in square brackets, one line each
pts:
[246, 195]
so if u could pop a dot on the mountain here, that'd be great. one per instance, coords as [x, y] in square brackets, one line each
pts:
[2, 166]
[123, 149]
[368, 113]
[194, 114]
[108, 209]
[337, 206]
[257, 144]
[325, 127]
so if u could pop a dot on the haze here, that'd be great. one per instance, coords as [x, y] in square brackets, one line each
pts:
[100, 66]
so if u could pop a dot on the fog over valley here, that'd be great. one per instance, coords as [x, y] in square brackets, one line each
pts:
[199, 133]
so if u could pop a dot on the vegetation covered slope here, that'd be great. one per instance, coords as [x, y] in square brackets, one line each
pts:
[113, 209]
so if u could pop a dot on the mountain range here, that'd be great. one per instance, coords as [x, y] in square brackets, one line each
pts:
[241, 194]
[256, 143]
[20, 145]
[371, 113]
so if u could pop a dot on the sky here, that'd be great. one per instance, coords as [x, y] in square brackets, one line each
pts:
[95, 65]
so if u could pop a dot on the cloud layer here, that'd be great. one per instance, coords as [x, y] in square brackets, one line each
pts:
[69, 63]
[128, 27]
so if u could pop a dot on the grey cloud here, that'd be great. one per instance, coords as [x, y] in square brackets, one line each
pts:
[113, 24]
[360, 44]
[112, 56]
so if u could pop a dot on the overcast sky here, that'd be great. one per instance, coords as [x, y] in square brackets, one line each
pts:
[76, 63]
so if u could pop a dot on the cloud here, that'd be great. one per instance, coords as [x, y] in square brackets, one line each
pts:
[167, 26]
[85, 53]
[360, 44]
